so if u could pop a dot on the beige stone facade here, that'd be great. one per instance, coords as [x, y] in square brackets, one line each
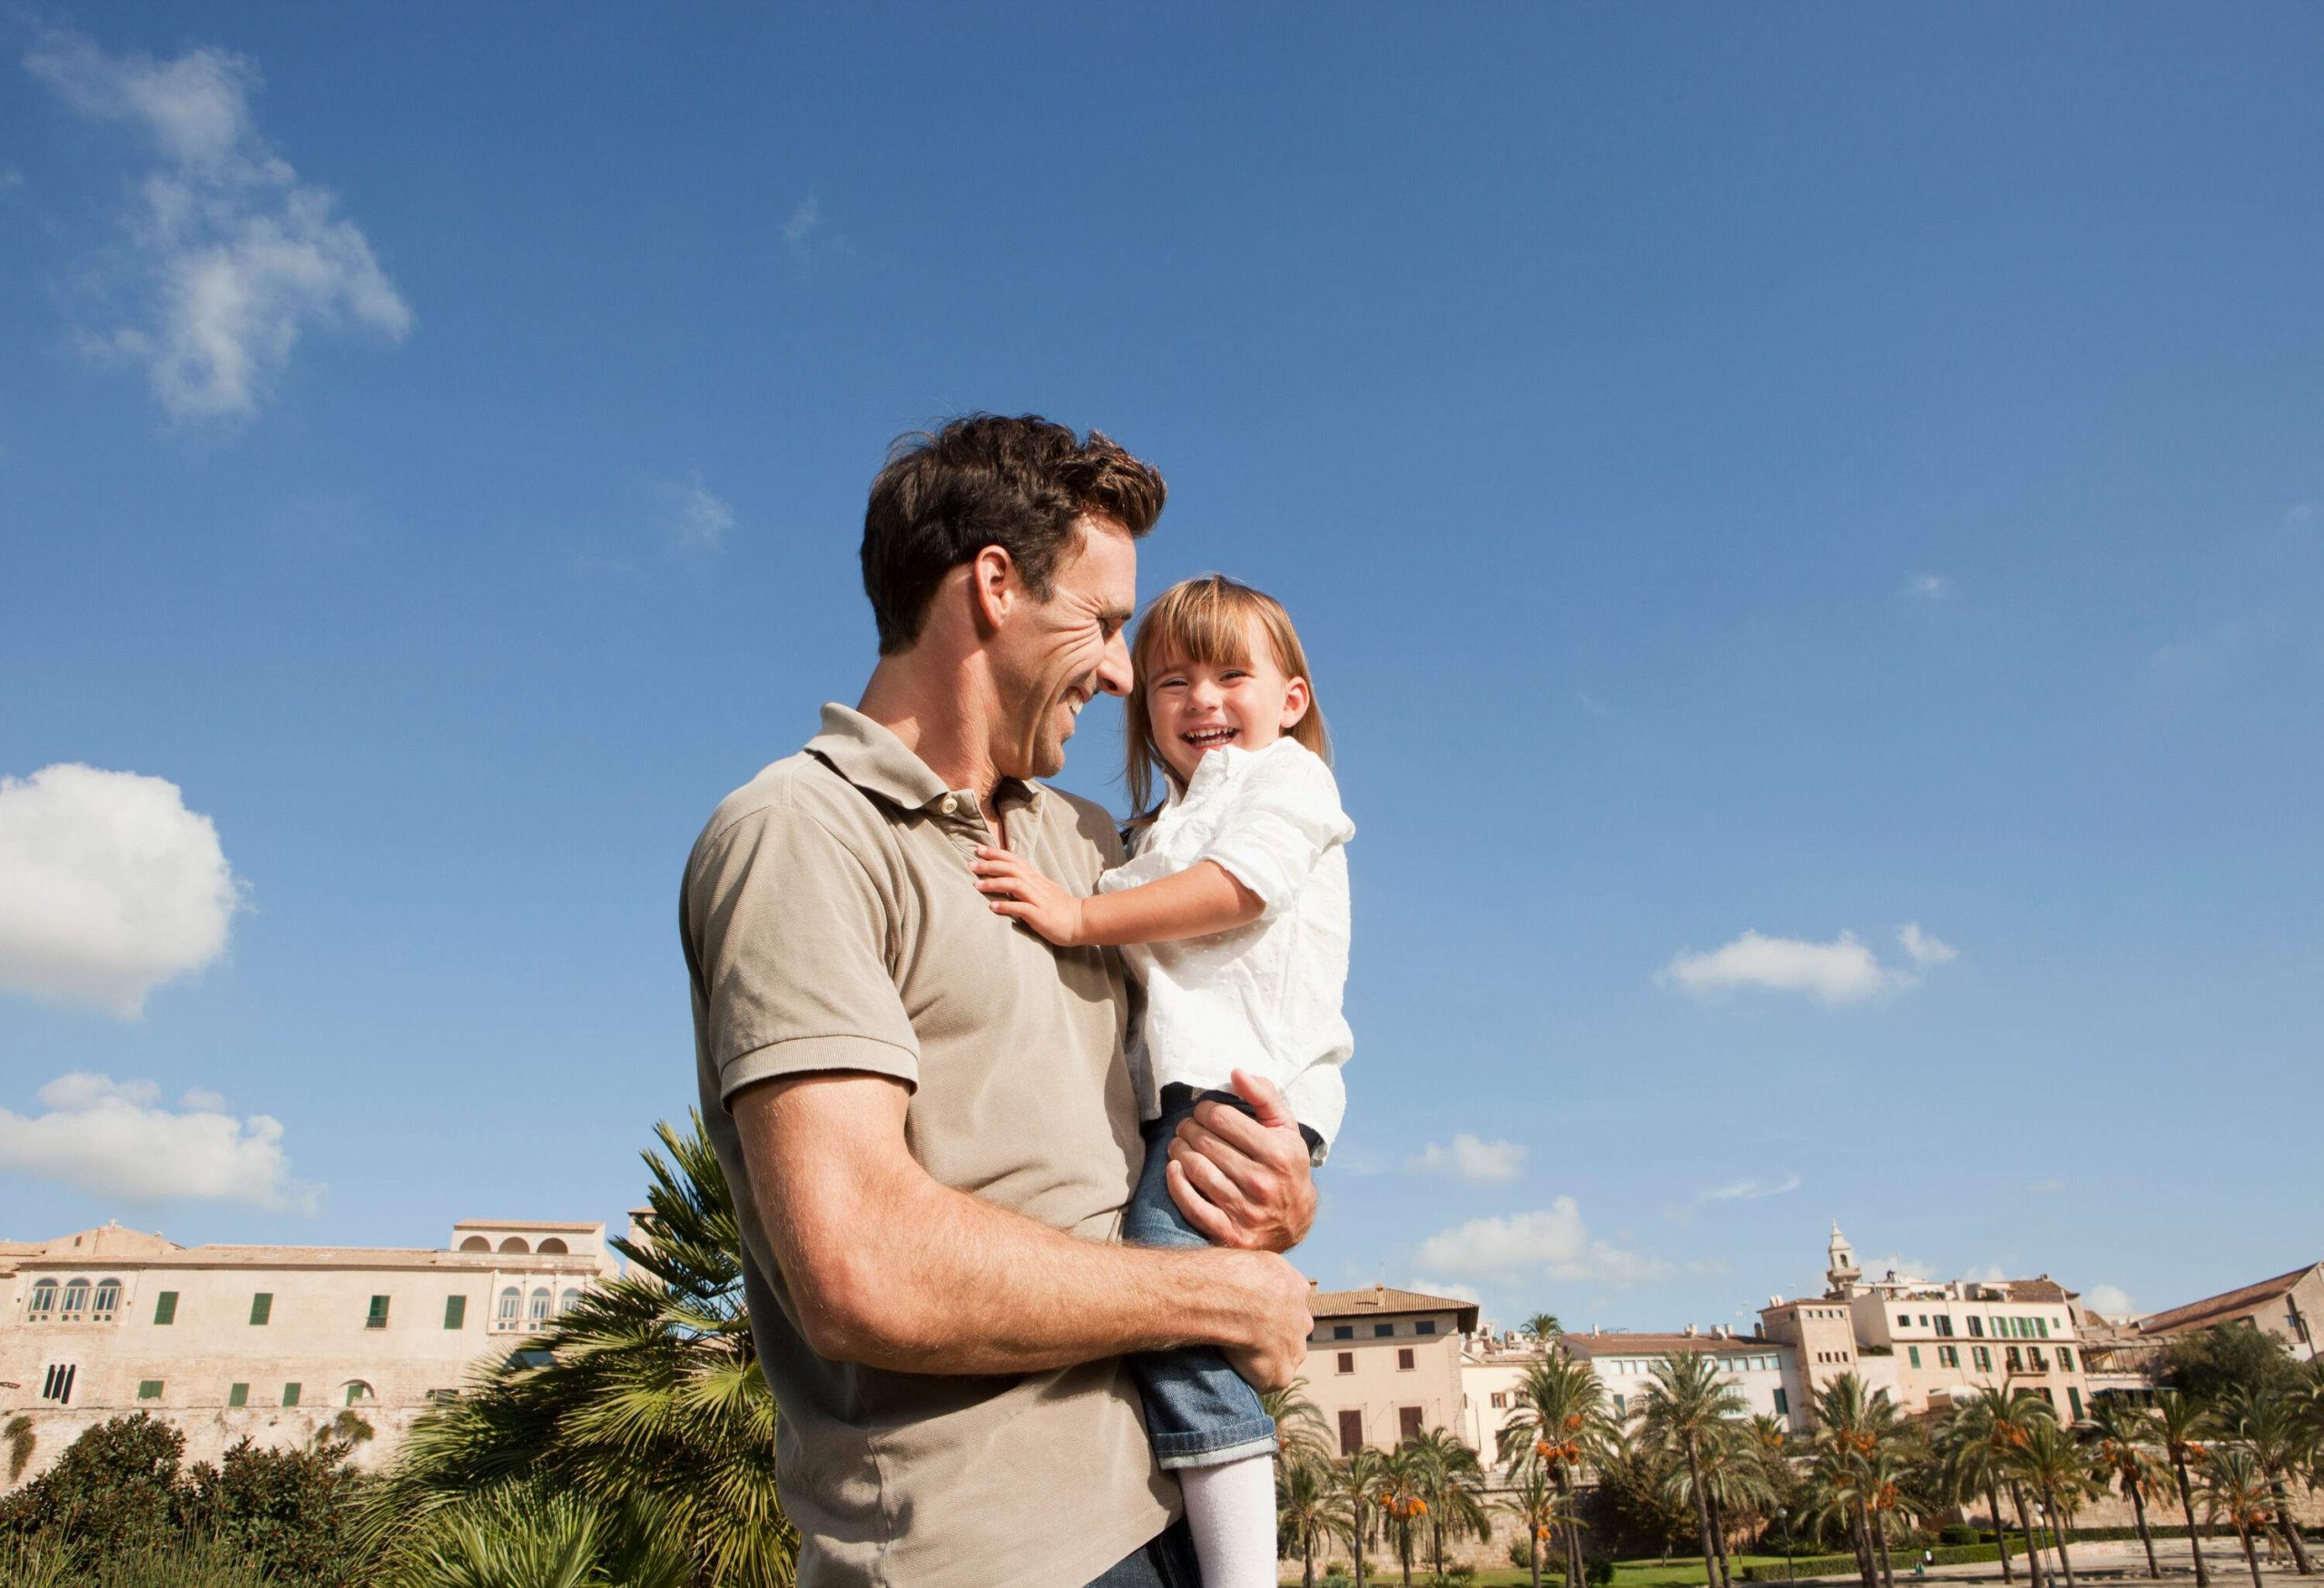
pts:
[1765, 1372]
[1383, 1364]
[270, 1342]
[2289, 1306]
[1927, 1342]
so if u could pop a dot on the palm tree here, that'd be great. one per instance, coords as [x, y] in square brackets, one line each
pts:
[20, 1439]
[1982, 1435]
[1309, 1508]
[1542, 1327]
[2269, 1423]
[1452, 1484]
[1301, 1435]
[1861, 1462]
[2181, 1424]
[2050, 1462]
[1558, 1418]
[1535, 1502]
[1401, 1492]
[1686, 1407]
[2236, 1486]
[2119, 1436]
[1838, 1483]
[647, 1394]
[1355, 1483]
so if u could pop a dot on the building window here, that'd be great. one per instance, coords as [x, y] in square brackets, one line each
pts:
[442, 1397]
[1342, 1331]
[377, 1319]
[237, 1395]
[77, 1301]
[2065, 1358]
[537, 1308]
[1947, 1357]
[1404, 1359]
[1945, 1326]
[1407, 1424]
[1426, 1326]
[2012, 1360]
[1621, 1406]
[1783, 1404]
[261, 1309]
[2035, 1360]
[43, 1301]
[149, 1389]
[359, 1392]
[567, 1301]
[1914, 1353]
[165, 1307]
[1976, 1328]
[554, 1246]
[108, 1301]
[1985, 1358]
[289, 1394]
[56, 1385]
[456, 1311]
[1382, 1331]
[2044, 1391]
[2042, 1328]
[2073, 1399]
[511, 1301]
[1346, 1362]
[1351, 1430]
[1499, 1400]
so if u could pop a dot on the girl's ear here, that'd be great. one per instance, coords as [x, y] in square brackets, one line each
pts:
[1295, 698]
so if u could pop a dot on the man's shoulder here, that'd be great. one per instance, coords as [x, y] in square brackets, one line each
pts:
[802, 787]
[1073, 819]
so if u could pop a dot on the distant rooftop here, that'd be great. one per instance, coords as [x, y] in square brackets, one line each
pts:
[2226, 1305]
[1380, 1301]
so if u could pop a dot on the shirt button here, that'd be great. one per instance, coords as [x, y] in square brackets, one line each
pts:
[950, 804]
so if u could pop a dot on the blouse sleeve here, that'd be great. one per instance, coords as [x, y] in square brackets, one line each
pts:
[1283, 819]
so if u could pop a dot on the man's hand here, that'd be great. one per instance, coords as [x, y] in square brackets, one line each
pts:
[1019, 888]
[1280, 1322]
[1244, 1182]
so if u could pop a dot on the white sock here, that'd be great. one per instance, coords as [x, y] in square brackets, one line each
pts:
[1230, 1510]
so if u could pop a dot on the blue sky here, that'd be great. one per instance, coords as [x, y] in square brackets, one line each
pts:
[1800, 473]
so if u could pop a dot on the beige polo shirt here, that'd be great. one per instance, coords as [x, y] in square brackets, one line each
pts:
[831, 922]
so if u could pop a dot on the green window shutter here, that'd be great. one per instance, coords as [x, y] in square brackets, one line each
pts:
[1914, 1353]
[149, 1389]
[237, 1395]
[165, 1307]
[289, 1394]
[262, 1307]
[456, 1311]
[377, 1316]
[2073, 1398]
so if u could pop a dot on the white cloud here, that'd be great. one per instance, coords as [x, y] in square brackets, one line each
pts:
[698, 517]
[1930, 587]
[1840, 971]
[1751, 1190]
[1470, 1158]
[805, 221]
[2112, 1300]
[112, 1139]
[109, 887]
[1923, 949]
[240, 257]
[1458, 1292]
[1552, 1241]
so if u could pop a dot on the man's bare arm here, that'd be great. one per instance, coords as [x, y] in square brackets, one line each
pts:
[887, 1267]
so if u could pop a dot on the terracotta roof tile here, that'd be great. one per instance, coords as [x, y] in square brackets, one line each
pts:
[2227, 1304]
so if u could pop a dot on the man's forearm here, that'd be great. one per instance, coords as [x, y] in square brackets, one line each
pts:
[888, 1267]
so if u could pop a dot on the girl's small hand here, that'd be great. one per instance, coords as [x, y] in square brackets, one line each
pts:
[1018, 889]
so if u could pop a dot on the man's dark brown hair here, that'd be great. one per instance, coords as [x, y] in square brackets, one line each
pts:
[1021, 484]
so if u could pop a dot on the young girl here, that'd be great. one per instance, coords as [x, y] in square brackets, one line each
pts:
[1233, 912]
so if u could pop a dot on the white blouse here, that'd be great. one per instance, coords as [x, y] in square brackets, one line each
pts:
[1263, 997]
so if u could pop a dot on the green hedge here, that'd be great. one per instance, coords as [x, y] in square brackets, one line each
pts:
[1958, 1554]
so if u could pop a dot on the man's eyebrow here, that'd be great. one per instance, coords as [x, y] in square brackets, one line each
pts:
[1118, 617]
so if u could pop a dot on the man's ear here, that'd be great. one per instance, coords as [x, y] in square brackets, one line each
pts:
[1297, 698]
[993, 586]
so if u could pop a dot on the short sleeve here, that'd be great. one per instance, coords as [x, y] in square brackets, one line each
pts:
[787, 938]
[1280, 821]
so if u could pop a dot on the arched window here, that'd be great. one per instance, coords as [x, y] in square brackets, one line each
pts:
[567, 1302]
[537, 1311]
[108, 1301]
[515, 1243]
[357, 1392]
[77, 1301]
[43, 1301]
[505, 1315]
[553, 1246]
[476, 1243]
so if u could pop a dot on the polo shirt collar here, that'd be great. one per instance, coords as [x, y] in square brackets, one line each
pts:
[868, 755]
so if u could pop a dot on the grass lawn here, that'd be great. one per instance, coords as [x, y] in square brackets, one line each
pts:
[1646, 1574]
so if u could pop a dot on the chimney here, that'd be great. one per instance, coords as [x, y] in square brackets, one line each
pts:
[1379, 1293]
[1311, 1287]
[1690, 1331]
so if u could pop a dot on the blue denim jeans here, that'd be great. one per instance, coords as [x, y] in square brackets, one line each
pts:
[1198, 1411]
[1168, 1560]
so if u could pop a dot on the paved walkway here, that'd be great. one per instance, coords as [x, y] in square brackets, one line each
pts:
[2112, 1561]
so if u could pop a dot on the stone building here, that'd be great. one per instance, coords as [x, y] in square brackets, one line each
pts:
[1765, 1372]
[1927, 1342]
[1384, 1365]
[272, 1341]
[2288, 1307]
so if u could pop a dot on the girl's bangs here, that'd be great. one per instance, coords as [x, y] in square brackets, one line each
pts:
[1209, 626]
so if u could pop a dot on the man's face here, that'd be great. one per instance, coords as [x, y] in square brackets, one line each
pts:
[1052, 657]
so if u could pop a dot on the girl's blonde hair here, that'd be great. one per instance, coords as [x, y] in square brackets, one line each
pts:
[1208, 620]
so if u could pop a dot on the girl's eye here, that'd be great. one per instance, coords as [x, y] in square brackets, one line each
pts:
[1171, 683]
[1234, 675]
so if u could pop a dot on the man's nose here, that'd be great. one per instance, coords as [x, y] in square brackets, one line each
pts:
[1114, 674]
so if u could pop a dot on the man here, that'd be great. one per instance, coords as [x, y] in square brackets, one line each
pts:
[923, 1107]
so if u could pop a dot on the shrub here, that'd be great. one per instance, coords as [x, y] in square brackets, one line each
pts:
[1954, 1534]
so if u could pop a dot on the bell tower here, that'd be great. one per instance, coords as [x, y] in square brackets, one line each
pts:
[1842, 1276]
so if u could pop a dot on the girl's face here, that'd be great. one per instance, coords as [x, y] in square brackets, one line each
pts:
[1197, 707]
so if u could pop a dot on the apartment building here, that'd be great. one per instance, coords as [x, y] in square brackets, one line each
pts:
[1765, 1372]
[1384, 1365]
[270, 1342]
[1926, 1343]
